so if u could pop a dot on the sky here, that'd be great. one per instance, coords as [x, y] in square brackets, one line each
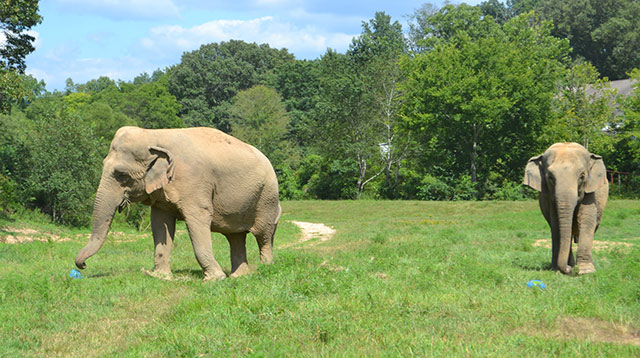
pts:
[121, 39]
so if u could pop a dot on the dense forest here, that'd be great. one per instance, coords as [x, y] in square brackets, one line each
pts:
[449, 108]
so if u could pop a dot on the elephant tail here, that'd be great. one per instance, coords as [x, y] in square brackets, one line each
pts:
[279, 213]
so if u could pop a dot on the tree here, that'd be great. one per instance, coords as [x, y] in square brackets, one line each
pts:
[627, 147]
[586, 106]
[207, 79]
[605, 33]
[259, 118]
[16, 17]
[503, 12]
[345, 130]
[298, 84]
[150, 104]
[481, 97]
[376, 53]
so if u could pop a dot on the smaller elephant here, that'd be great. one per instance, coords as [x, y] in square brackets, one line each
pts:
[573, 192]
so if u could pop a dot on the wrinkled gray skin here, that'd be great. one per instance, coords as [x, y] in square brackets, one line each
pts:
[205, 177]
[573, 190]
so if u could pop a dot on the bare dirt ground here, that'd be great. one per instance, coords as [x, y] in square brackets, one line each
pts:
[23, 235]
[597, 245]
[312, 231]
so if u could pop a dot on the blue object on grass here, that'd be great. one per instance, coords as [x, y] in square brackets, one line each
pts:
[536, 283]
[75, 274]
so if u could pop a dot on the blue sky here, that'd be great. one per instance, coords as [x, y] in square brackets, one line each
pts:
[86, 39]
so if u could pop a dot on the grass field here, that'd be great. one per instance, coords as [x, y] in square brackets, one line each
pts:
[397, 279]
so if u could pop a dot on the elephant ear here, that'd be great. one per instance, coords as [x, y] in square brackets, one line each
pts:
[533, 173]
[160, 171]
[597, 174]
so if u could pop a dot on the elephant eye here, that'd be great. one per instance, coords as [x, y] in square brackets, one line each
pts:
[121, 177]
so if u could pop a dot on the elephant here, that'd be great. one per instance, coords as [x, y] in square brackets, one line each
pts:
[573, 192]
[211, 180]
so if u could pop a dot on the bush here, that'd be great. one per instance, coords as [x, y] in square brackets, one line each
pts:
[65, 165]
[8, 196]
[332, 179]
[465, 189]
[509, 191]
[432, 188]
[288, 185]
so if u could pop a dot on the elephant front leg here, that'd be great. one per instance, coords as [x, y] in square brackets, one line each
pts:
[200, 233]
[237, 246]
[587, 226]
[163, 226]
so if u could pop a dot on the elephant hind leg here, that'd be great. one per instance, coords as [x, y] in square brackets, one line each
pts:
[237, 246]
[265, 242]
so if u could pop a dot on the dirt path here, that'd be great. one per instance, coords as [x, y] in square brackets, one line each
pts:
[312, 231]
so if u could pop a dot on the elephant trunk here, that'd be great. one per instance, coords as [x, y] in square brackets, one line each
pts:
[565, 224]
[104, 209]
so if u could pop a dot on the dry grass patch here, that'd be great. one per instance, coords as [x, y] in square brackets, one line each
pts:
[597, 244]
[115, 330]
[588, 329]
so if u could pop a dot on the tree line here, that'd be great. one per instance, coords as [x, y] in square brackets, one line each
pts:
[450, 109]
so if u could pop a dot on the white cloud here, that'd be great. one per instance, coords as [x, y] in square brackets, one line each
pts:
[305, 42]
[124, 9]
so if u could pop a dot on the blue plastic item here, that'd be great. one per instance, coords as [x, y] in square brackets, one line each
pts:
[75, 274]
[536, 283]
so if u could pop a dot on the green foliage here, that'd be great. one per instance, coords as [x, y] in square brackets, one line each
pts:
[480, 99]
[207, 79]
[586, 106]
[16, 18]
[329, 179]
[64, 160]
[499, 188]
[626, 155]
[298, 84]
[432, 188]
[258, 117]
[8, 196]
[605, 33]
[290, 188]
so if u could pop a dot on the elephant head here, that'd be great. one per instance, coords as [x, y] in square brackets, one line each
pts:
[563, 175]
[135, 167]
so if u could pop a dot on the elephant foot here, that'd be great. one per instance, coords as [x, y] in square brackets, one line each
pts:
[566, 270]
[241, 270]
[585, 268]
[266, 259]
[211, 276]
[167, 276]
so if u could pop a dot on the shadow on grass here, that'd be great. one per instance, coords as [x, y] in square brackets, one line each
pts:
[533, 265]
[189, 273]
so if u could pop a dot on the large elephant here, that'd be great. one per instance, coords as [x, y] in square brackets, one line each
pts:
[212, 181]
[573, 190]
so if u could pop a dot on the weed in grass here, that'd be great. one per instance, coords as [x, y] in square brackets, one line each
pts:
[379, 238]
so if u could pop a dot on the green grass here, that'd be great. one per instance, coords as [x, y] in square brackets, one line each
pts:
[397, 279]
